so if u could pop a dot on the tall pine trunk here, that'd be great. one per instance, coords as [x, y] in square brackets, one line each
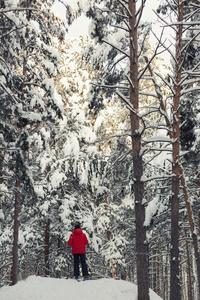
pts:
[14, 273]
[141, 244]
[175, 290]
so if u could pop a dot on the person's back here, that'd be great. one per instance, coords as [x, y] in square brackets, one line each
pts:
[78, 241]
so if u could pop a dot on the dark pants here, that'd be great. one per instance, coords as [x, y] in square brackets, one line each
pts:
[83, 264]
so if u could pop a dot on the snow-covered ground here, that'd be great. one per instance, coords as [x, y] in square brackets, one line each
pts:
[68, 289]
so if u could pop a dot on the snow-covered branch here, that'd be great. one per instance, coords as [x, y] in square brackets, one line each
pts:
[190, 81]
[14, 29]
[125, 1]
[3, 11]
[190, 90]
[129, 105]
[110, 86]
[165, 82]
[149, 94]
[158, 126]
[156, 139]
[8, 92]
[190, 41]
[160, 177]
[3, 60]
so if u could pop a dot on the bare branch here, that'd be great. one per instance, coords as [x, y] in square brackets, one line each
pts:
[106, 138]
[130, 82]
[143, 42]
[126, 8]
[146, 67]
[165, 47]
[118, 49]
[149, 94]
[122, 16]
[115, 63]
[163, 20]
[119, 27]
[140, 12]
[127, 24]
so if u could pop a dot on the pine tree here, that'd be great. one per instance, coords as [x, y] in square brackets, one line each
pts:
[117, 26]
[27, 94]
[184, 79]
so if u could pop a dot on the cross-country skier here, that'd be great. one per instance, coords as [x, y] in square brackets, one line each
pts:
[78, 241]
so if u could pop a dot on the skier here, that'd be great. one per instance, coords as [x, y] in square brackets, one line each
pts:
[78, 241]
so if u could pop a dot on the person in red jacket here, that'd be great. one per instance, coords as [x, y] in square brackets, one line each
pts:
[78, 241]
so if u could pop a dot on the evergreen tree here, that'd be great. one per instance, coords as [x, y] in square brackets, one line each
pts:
[119, 56]
[185, 83]
[27, 94]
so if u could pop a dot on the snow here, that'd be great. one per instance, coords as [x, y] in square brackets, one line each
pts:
[151, 209]
[98, 122]
[62, 289]
[1, 214]
[154, 207]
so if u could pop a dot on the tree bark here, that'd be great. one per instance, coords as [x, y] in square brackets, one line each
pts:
[14, 273]
[141, 244]
[175, 290]
[189, 278]
[46, 249]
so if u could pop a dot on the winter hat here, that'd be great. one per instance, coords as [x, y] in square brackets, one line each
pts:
[77, 226]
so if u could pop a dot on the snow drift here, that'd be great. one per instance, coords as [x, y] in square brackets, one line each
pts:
[69, 289]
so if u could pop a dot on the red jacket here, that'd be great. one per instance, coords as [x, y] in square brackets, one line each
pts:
[78, 241]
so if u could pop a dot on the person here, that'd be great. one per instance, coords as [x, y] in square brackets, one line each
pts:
[78, 241]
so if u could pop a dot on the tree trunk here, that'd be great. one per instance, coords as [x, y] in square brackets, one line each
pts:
[1, 166]
[141, 244]
[175, 292]
[46, 249]
[189, 278]
[16, 228]
[154, 271]
[158, 274]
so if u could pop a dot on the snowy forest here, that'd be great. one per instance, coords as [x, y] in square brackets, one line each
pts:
[103, 130]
